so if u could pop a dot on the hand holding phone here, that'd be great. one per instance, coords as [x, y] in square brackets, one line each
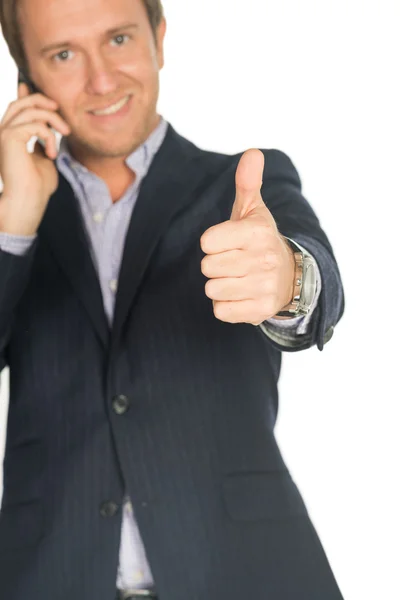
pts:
[28, 179]
[33, 89]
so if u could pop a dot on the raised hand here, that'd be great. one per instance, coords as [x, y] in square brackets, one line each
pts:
[248, 262]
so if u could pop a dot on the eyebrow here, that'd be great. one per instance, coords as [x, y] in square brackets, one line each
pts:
[46, 49]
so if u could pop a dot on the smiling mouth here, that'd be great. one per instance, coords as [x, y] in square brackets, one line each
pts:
[110, 110]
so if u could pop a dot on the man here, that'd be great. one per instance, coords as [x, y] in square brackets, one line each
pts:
[148, 289]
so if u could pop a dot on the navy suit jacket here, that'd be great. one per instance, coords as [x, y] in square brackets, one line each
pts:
[171, 405]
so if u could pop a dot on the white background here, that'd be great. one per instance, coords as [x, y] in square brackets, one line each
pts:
[318, 80]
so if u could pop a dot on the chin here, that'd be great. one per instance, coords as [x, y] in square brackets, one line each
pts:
[118, 150]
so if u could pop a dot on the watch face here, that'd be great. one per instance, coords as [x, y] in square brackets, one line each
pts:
[309, 284]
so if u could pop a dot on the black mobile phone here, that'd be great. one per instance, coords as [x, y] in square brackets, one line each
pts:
[23, 78]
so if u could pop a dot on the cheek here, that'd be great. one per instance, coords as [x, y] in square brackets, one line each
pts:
[66, 112]
[149, 88]
[144, 68]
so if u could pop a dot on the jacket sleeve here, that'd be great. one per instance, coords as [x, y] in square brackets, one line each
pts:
[296, 219]
[15, 269]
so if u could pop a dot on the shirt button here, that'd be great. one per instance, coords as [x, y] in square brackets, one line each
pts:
[120, 404]
[98, 217]
[108, 509]
[114, 285]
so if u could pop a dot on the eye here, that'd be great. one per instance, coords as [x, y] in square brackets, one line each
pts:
[121, 36]
[59, 54]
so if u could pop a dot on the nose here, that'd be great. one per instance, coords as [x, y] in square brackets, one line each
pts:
[101, 77]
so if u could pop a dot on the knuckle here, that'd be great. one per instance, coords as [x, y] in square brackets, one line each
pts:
[219, 311]
[209, 288]
[205, 265]
[204, 243]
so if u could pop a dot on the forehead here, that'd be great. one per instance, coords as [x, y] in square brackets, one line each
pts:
[43, 20]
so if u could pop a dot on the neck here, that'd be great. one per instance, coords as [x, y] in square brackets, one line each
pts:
[107, 167]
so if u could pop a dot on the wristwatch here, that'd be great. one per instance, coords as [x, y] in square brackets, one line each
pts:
[304, 286]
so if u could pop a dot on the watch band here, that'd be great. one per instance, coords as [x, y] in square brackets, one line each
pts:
[292, 309]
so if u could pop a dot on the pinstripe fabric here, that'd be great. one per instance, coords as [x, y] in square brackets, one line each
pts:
[106, 224]
[218, 512]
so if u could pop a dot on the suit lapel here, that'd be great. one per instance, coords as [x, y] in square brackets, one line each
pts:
[63, 228]
[168, 186]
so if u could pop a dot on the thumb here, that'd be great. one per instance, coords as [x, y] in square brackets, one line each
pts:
[249, 179]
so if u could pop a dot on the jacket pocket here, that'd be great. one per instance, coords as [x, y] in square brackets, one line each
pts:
[21, 525]
[254, 496]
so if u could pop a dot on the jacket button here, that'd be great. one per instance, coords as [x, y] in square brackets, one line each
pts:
[108, 509]
[120, 404]
[328, 335]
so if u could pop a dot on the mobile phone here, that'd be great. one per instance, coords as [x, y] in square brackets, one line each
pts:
[23, 78]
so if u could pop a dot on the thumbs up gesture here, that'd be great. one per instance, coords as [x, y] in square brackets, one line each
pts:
[249, 264]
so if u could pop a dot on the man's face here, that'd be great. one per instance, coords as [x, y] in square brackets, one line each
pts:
[96, 69]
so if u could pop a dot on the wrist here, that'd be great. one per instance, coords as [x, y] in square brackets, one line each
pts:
[17, 228]
[15, 225]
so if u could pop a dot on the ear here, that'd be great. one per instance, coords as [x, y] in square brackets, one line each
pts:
[160, 36]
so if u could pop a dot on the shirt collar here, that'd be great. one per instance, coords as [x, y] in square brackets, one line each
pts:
[139, 160]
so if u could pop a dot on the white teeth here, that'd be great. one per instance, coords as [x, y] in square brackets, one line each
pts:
[112, 109]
